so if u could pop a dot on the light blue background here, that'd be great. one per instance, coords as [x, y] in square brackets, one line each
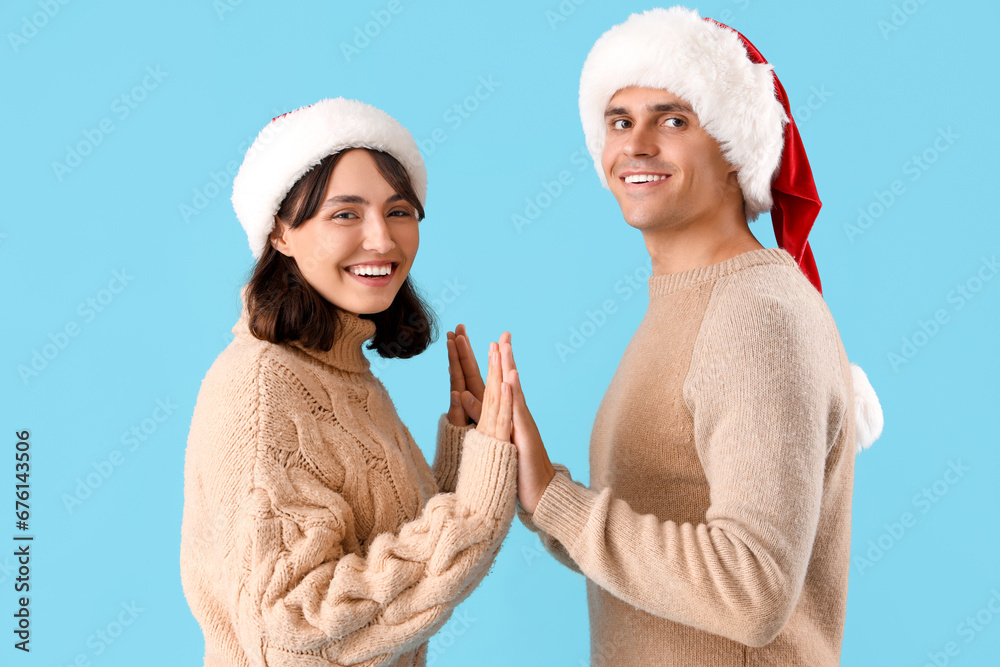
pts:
[877, 99]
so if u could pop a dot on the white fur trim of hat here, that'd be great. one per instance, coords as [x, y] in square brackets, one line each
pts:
[295, 142]
[868, 418]
[707, 66]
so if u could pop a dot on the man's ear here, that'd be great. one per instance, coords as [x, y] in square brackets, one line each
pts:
[277, 237]
[733, 175]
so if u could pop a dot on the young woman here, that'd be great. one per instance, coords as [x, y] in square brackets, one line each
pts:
[314, 531]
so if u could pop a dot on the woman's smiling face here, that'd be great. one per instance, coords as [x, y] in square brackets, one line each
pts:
[358, 248]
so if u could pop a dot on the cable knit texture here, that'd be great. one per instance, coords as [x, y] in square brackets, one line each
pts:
[716, 528]
[314, 533]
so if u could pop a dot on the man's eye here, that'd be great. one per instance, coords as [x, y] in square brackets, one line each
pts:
[615, 123]
[679, 121]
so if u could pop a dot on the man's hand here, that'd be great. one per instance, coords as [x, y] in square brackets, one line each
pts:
[497, 410]
[471, 398]
[534, 469]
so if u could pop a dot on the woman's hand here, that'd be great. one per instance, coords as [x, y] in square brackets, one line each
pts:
[459, 377]
[497, 408]
[465, 377]
[534, 469]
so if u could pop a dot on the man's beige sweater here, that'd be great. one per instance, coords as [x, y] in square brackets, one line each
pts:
[716, 529]
[314, 532]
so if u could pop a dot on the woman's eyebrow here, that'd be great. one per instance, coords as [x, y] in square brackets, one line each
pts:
[356, 199]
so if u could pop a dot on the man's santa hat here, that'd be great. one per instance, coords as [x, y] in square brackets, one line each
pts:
[741, 103]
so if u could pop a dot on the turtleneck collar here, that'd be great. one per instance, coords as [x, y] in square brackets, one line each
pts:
[666, 283]
[346, 353]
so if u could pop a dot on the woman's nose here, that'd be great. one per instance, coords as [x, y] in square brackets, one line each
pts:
[377, 237]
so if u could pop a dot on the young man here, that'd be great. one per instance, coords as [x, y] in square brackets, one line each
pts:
[716, 528]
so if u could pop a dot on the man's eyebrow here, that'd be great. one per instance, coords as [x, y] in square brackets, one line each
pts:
[670, 107]
[355, 199]
[345, 199]
[663, 107]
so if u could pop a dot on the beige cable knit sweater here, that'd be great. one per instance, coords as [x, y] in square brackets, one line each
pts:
[716, 529]
[314, 533]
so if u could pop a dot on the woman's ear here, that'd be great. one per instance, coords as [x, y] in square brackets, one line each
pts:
[277, 237]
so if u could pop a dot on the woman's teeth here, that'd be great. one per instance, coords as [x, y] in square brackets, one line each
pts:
[643, 178]
[368, 270]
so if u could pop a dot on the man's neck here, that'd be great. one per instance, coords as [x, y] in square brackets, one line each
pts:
[673, 250]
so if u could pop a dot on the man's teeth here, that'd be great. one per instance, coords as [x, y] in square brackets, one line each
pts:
[643, 178]
[368, 270]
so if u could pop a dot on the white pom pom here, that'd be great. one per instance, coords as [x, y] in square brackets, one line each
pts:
[867, 411]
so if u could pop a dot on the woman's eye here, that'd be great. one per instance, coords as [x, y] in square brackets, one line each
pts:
[344, 215]
[400, 213]
[615, 124]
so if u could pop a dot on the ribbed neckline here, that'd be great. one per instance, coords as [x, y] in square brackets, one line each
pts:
[346, 353]
[667, 283]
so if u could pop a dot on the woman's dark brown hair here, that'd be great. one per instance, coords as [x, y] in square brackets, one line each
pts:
[283, 306]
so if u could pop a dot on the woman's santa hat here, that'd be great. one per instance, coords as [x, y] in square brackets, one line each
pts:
[295, 142]
[741, 103]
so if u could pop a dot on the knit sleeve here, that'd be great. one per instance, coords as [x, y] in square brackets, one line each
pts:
[551, 544]
[306, 585]
[449, 453]
[767, 401]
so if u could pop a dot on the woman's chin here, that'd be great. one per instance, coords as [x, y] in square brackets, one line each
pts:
[371, 304]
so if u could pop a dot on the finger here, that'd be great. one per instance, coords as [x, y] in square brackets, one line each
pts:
[517, 398]
[510, 376]
[511, 350]
[473, 376]
[518, 392]
[455, 368]
[493, 387]
[523, 421]
[505, 414]
[491, 398]
[456, 413]
[514, 378]
[518, 423]
[506, 359]
[473, 406]
[519, 417]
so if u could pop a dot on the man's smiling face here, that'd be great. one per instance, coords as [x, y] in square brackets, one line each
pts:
[661, 165]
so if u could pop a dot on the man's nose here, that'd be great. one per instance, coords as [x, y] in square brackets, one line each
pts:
[641, 141]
